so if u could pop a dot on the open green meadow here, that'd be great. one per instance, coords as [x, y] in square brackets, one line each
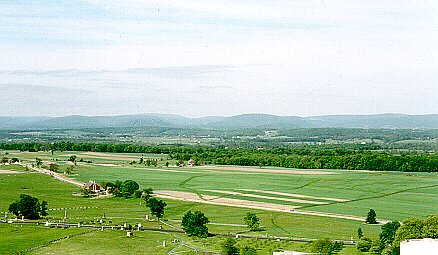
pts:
[394, 196]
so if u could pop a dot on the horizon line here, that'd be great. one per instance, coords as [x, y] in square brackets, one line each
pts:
[207, 116]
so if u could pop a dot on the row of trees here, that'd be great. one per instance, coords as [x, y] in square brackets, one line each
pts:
[355, 161]
[124, 189]
[305, 158]
[130, 188]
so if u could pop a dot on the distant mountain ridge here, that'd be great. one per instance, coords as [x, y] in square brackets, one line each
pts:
[243, 121]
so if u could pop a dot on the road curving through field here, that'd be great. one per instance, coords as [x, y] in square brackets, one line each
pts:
[54, 175]
[215, 200]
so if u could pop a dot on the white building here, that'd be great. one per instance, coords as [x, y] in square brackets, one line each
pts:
[427, 246]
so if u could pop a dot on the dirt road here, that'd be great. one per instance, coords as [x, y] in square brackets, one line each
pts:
[206, 199]
[265, 170]
[54, 175]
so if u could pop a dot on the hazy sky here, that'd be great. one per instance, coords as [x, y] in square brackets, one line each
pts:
[213, 57]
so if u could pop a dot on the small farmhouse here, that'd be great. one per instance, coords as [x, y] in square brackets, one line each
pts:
[92, 186]
[191, 163]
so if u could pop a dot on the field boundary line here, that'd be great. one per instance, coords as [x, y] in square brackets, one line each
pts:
[293, 200]
[258, 205]
[54, 175]
[53, 241]
[295, 195]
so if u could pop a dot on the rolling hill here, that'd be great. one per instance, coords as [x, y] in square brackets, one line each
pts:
[244, 121]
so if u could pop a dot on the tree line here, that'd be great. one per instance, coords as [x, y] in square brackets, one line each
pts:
[305, 158]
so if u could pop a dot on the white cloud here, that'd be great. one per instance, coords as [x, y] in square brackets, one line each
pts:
[318, 57]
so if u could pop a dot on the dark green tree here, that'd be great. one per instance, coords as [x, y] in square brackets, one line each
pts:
[53, 167]
[138, 193]
[371, 217]
[115, 188]
[359, 233]
[69, 170]
[388, 233]
[229, 247]
[252, 221]
[38, 162]
[129, 187]
[156, 206]
[73, 159]
[29, 207]
[393, 250]
[118, 184]
[195, 224]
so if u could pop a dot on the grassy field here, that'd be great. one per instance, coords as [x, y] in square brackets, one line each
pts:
[16, 238]
[393, 196]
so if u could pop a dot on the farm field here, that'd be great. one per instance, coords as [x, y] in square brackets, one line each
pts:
[119, 211]
[394, 195]
[333, 193]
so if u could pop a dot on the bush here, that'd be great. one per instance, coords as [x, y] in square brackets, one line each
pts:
[364, 245]
[323, 246]
[248, 251]
[229, 248]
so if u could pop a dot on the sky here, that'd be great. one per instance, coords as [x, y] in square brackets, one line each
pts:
[217, 57]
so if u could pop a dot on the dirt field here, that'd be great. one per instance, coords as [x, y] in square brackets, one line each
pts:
[215, 200]
[192, 197]
[9, 172]
[295, 195]
[91, 155]
[268, 197]
[112, 165]
[263, 170]
[110, 156]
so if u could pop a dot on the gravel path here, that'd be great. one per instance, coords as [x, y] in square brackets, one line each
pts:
[54, 175]
[192, 197]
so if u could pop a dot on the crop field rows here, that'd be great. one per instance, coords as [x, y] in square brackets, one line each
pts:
[286, 193]
[393, 195]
